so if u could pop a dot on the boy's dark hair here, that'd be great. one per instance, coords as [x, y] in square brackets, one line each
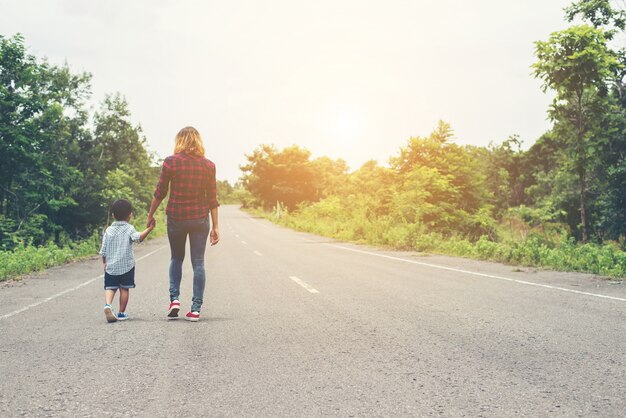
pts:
[121, 209]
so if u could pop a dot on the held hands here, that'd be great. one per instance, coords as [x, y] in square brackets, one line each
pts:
[214, 236]
[150, 222]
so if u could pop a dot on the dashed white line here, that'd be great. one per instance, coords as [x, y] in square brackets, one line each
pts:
[303, 284]
[236, 235]
[243, 242]
[48, 299]
[524, 282]
[258, 253]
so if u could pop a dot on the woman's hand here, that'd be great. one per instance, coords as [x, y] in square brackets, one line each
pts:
[214, 236]
[150, 221]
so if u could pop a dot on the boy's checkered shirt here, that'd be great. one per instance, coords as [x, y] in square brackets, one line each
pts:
[117, 247]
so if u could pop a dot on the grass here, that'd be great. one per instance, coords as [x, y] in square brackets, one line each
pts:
[25, 259]
[563, 254]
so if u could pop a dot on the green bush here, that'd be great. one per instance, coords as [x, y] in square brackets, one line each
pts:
[27, 258]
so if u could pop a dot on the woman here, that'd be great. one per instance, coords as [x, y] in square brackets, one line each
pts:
[191, 180]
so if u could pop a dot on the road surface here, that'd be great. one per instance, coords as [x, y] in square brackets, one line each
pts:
[299, 325]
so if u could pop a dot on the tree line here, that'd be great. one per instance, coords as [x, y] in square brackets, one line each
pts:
[60, 164]
[571, 183]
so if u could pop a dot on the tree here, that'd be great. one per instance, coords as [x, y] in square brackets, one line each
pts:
[600, 13]
[576, 63]
[505, 173]
[119, 143]
[331, 175]
[42, 111]
[286, 176]
[450, 160]
[610, 221]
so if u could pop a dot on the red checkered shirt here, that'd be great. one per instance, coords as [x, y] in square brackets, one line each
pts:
[191, 180]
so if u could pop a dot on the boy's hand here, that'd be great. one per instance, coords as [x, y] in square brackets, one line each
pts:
[215, 236]
[152, 224]
[150, 220]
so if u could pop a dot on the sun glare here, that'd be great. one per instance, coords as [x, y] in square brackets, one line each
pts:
[344, 125]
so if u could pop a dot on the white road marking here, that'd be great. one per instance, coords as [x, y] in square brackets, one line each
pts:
[546, 286]
[243, 242]
[150, 253]
[258, 253]
[48, 299]
[303, 284]
[236, 235]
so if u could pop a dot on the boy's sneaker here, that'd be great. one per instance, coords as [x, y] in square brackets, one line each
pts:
[172, 312]
[122, 316]
[192, 316]
[108, 312]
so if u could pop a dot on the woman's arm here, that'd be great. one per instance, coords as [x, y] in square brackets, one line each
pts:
[215, 231]
[214, 204]
[143, 234]
[153, 207]
[160, 192]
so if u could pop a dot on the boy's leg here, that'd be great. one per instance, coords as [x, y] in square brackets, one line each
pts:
[123, 299]
[197, 241]
[177, 235]
[108, 310]
[127, 281]
[109, 294]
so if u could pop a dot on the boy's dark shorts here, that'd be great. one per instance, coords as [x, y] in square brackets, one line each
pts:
[125, 281]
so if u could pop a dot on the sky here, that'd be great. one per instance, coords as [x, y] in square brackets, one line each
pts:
[351, 79]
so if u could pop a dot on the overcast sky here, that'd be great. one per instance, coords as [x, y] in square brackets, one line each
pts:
[350, 79]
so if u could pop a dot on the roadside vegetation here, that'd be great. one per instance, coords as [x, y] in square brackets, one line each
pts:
[560, 204]
[60, 165]
[28, 258]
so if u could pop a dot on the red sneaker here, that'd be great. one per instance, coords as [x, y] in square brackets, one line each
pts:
[192, 316]
[172, 312]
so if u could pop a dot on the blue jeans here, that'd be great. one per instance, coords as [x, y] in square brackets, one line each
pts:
[198, 231]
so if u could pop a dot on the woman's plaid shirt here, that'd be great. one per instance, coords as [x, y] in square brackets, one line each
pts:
[192, 186]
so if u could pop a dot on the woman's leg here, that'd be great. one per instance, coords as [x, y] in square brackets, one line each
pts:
[177, 236]
[198, 235]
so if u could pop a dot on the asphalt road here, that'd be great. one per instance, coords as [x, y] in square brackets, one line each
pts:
[298, 325]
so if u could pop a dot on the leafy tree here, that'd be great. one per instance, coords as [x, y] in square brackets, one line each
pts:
[285, 176]
[505, 173]
[609, 202]
[120, 144]
[450, 160]
[576, 63]
[41, 112]
[375, 186]
[600, 13]
[331, 175]
[224, 191]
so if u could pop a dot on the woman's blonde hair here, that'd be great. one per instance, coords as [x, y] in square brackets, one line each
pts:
[188, 140]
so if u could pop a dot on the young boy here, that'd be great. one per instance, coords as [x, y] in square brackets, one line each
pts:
[118, 259]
